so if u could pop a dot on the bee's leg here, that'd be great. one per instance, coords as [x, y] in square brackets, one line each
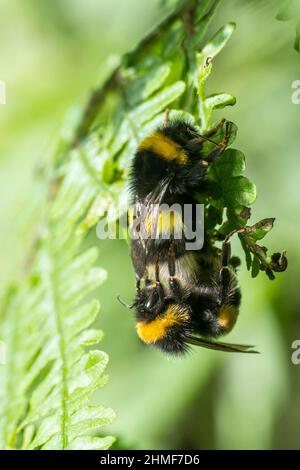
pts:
[226, 275]
[226, 253]
[173, 281]
[194, 143]
[138, 285]
[215, 129]
[159, 286]
[216, 152]
[227, 259]
[229, 296]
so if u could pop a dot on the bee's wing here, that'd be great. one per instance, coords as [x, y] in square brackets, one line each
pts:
[138, 243]
[139, 257]
[156, 196]
[226, 347]
[153, 201]
[148, 212]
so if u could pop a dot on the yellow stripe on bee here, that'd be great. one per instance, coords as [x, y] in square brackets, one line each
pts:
[155, 330]
[167, 222]
[165, 147]
[227, 317]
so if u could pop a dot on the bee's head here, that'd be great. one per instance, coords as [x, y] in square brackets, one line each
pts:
[164, 326]
[149, 302]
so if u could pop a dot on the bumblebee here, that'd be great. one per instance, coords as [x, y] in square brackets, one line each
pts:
[183, 297]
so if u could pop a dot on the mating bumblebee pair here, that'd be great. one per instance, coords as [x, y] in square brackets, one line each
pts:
[182, 296]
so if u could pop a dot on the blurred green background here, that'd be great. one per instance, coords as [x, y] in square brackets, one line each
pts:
[51, 54]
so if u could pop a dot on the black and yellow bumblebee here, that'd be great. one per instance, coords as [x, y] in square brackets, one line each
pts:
[182, 297]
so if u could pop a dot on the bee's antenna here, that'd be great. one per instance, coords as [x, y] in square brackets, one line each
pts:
[124, 303]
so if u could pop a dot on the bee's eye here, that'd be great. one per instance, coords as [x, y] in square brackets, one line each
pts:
[152, 300]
